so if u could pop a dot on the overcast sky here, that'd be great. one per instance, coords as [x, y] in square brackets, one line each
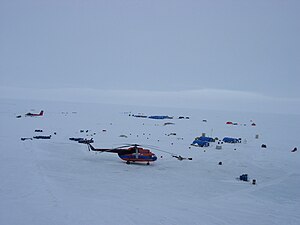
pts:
[168, 46]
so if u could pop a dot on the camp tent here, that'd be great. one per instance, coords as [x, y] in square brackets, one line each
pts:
[208, 139]
[231, 140]
[200, 143]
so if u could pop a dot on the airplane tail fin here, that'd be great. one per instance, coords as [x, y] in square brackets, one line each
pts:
[41, 113]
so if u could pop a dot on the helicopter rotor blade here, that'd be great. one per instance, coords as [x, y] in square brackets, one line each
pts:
[131, 145]
[124, 146]
[137, 145]
[160, 150]
[149, 146]
[179, 157]
[101, 150]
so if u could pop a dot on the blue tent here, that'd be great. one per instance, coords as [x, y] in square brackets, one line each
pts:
[231, 140]
[200, 143]
[208, 139]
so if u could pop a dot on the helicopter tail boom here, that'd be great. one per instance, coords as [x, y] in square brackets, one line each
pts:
[104, 149]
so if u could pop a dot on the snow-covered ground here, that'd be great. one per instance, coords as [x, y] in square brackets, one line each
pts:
[59, 181]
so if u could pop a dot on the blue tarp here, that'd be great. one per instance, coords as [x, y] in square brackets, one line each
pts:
[160, 117]
[231, 140]
[208, 139]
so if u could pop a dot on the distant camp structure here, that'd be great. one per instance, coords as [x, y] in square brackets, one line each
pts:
[203, 138]
[244, 177]
[42, 137]
[82, 140]
[200, 143]
[160, 117]
[183, 117]
[168, 123]
[231, 140]
[86, 141]
[139, 116]
[24, 139]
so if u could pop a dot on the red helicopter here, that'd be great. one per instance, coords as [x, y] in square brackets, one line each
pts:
[35, 114]
[134, 153]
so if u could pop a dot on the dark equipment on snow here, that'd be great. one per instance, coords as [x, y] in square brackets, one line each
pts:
[244, 177]
[181, 158]
[76, 139]
[86, 141]
[23, 139]
[42, 137]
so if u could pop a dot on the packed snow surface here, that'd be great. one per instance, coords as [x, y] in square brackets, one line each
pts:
[58, 181]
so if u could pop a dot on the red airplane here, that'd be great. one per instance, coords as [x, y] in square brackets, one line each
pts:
[35, 114]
